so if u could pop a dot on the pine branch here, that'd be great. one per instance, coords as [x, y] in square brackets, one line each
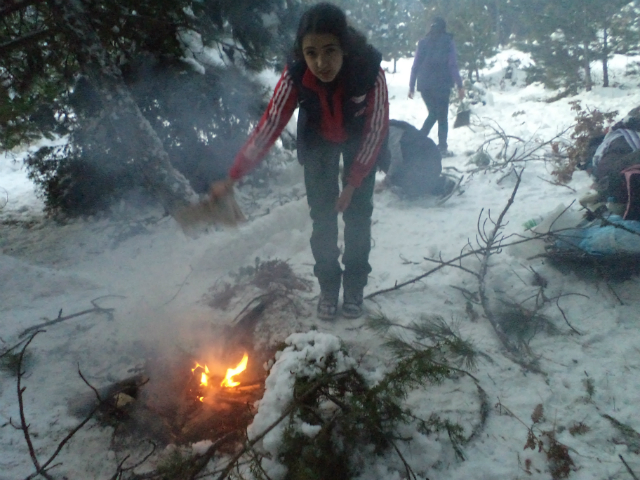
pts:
[16, 6]
[296, 402]
[32, 37]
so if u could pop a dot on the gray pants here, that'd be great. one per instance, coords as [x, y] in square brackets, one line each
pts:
[321, 177]
[437, 102]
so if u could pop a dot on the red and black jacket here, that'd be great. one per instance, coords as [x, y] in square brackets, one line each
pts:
[353, 109]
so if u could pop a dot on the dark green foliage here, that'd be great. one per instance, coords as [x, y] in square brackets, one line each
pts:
[435, 424]
[431, 336]
[10, 361]
[79, 181]
[201, 119]
[522, 324]
[555, 66]
[176, 465]
[38, 73]
[275, 276]
[589, 386]
[363, 416]
[565, 36]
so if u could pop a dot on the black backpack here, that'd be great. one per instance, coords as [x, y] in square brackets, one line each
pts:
[418, 170]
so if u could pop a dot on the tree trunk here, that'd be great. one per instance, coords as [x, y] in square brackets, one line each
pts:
[586, 57]
[498, 24]
[605, 58]
[587, 67]
[395, 65]
[145, 148]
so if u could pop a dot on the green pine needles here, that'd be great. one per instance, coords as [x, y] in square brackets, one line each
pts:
[340, 413]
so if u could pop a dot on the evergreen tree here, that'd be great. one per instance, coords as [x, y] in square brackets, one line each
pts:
[69, 67]
[565, 37]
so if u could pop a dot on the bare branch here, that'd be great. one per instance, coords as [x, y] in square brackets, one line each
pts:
[24, 426]
[96, 309]
[628, 468]
[565, 317]
[557, 184]
[95, 391]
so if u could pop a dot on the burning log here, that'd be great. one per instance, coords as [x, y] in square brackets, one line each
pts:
[180, 406]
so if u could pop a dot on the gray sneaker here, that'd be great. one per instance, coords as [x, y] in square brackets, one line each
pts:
[352, 305]
[327, 307]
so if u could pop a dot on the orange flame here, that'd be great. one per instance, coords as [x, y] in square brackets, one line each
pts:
[231, 372]
[204, 377]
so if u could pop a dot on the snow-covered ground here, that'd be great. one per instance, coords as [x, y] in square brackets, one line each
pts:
[156, 278]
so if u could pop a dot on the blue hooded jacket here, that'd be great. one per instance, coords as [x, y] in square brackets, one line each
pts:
[435, 67]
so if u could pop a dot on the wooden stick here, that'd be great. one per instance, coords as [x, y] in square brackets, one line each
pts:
[96, 308]
[628, 468]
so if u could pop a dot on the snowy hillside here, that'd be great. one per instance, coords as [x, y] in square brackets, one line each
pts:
[159, 281]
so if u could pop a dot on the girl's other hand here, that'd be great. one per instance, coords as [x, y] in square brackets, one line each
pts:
[221, 188]
[345, 198]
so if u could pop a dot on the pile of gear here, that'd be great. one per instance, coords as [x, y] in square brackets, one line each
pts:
[615, 166]
[413, 163]
[608, 237]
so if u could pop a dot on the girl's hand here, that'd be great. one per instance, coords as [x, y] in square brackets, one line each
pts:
[345, 198]
[221, 188]
[410, 94]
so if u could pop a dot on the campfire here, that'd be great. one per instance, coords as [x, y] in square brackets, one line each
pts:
[207, 390]
[186, 401]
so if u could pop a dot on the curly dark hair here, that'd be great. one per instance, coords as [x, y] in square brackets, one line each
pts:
[328, 18]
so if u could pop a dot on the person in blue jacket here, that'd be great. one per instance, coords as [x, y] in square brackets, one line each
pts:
[435, 70]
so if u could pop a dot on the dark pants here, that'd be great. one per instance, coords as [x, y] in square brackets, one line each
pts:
[321, 177]
[437, 102]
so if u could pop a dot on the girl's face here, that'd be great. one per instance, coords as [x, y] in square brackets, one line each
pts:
[323, 55]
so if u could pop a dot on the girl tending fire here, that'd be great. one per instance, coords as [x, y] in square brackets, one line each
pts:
[336, 80]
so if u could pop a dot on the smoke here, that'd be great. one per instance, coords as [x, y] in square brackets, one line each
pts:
[201, 119]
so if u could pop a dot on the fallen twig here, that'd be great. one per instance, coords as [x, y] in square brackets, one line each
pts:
[490, 240]
[24, 426]
[41, 469]
[565, 317]
[408, 469]
[557, 184]
[184, 282]
[628, 468]
[96, 309]
[398, 286]
[120, 470]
